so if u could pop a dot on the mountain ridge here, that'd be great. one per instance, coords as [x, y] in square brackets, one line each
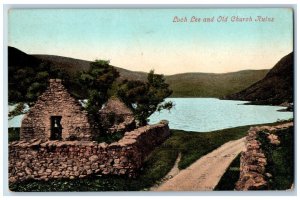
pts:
[275, 88]
[197, 84]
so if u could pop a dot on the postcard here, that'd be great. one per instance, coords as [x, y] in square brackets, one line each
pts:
[151, 100]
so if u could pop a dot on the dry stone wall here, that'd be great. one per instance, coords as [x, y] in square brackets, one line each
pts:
[56, 101]
[253, 162]
[40, 160]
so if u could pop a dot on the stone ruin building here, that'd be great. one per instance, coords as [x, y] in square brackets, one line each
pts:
[56, 140]
[56, 116]
[117, 116]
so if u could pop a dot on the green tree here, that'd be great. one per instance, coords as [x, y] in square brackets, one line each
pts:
[35, 90]
[19, 82]
[27, 83]
[144, 98]
[97, 81]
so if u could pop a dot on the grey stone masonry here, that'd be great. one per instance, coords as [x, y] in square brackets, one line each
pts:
[253, 161]
[40, 160]
[56, 102]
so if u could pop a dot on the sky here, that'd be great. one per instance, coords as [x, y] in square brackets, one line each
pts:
[145, 39]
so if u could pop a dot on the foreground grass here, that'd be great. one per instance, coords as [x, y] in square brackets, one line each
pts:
[231, 176]
[280, 159]
[192, 146]
[280, 163]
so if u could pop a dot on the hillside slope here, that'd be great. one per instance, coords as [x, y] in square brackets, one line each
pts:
[18, 59]
[212, 85]
[183, 85]
[275, 88]
[18, 63]
[72, 65]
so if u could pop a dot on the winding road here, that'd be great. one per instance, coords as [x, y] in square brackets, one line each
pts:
[205, 173]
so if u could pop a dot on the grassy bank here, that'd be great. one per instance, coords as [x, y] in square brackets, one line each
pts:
[280, 163]
[280, 159]
[192, 146]
[231, 176]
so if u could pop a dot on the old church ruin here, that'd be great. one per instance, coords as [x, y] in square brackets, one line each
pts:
[56, 140]
[56, 116]
[117, 116]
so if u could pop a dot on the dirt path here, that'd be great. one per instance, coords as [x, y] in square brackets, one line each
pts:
[205, 173]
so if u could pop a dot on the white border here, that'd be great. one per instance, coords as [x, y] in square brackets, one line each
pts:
[120, 3]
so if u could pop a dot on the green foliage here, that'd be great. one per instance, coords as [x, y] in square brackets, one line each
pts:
[27, 83]
[97, 81]
[109, 138]
[42, 75]
[144, 98]
[13, 134]
[35, 90]
[280, 159]
[231, 176]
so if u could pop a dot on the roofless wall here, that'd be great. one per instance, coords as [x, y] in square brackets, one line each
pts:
[56, 116]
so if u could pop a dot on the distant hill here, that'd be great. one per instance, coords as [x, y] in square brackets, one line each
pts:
[73, 65]
[275, 88]
[183, 85]
[18, 59]
[212, 85]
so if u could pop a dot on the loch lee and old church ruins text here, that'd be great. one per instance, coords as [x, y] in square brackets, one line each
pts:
[222, 19]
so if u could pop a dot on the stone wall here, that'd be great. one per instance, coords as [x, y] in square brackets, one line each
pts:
[40, 160]
[56, 101]
[253, 175]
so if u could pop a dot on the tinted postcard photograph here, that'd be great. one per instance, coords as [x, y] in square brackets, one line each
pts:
[151, 100]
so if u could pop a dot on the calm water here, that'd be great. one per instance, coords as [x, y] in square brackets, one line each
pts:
[208, 114]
